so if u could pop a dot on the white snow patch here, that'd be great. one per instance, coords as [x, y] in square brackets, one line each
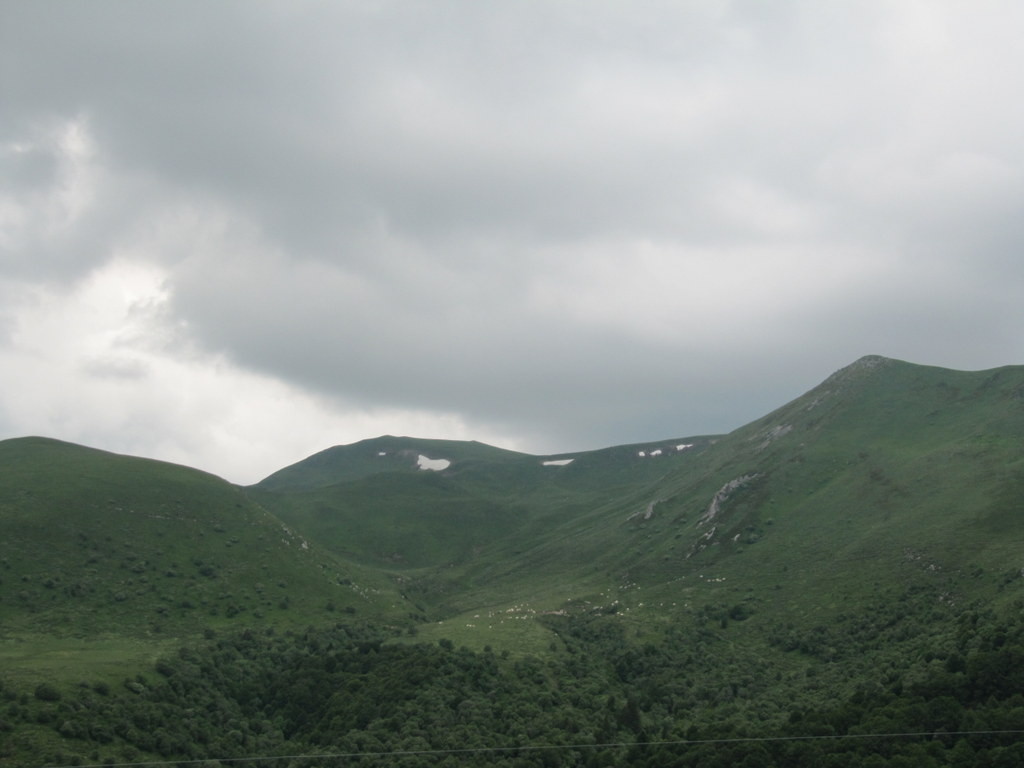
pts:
[557, 462]
[434, 464]
[656, 452]
[684, 446]
[640, 453]
[382, 453]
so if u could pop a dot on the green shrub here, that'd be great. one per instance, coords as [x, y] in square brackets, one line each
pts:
[46, 692]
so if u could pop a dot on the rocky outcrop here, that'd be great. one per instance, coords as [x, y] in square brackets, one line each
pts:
[723, 494]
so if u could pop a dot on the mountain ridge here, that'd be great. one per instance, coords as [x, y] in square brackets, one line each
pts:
[869, 437]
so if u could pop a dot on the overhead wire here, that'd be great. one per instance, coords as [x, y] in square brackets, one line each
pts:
[938, 733]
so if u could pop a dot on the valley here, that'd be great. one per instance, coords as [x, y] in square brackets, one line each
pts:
[846, 568]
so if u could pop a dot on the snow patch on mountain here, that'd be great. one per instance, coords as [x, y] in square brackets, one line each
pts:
[662, 451]
[435, 465]
[557, 462]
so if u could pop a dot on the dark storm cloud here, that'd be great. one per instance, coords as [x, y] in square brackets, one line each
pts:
[580, 223]
[437, 119]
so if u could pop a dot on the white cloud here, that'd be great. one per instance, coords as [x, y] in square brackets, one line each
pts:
[96, 363]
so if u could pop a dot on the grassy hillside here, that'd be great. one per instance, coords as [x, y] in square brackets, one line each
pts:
[886, 474]
[883, 462]
[379, 455]
[849, 564]
[372, 503]
[887, 482]
[99, 543]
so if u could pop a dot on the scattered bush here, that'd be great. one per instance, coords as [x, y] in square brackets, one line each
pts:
[47, 692]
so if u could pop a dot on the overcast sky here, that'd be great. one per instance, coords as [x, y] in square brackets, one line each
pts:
[236, 233]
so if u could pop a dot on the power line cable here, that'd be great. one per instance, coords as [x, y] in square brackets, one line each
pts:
[546, 747]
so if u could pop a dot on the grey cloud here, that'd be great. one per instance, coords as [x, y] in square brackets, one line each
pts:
[405, 204]
[29, 168]
[115, 367]
[439, 121]
[479, 349]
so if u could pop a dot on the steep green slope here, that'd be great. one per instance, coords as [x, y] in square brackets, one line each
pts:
[96, 543]
[884, 476]
[883, 457]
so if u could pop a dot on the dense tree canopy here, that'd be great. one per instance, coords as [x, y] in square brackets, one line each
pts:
[693, 697]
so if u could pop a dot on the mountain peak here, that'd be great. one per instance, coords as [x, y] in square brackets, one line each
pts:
[864, 364]
[384, 454]
[860, 370]
[871, 361]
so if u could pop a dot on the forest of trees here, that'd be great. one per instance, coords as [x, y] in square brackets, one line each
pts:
[858, 693]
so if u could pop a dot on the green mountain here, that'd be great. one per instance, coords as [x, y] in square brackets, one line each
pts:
[405, 503]
[883, 462]
[380, 456]
[796, 592]
[886, 467]
[95, 543]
